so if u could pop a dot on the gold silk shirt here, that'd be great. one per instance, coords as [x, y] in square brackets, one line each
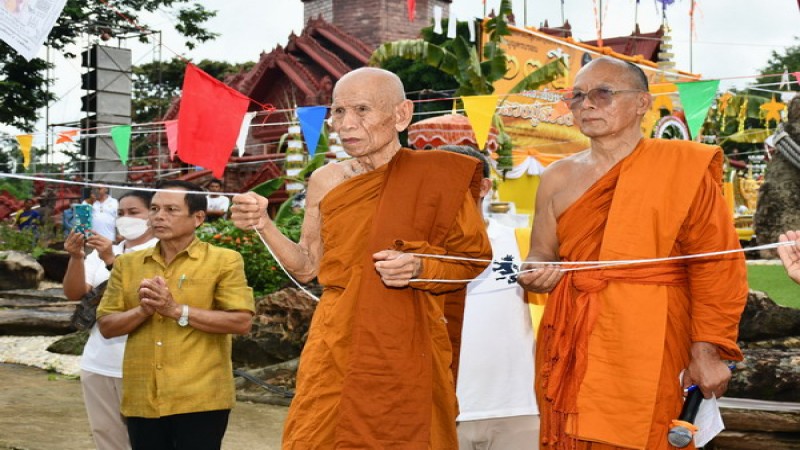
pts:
[169, 369]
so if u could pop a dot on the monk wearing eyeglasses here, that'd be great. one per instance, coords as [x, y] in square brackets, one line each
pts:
[614, 341]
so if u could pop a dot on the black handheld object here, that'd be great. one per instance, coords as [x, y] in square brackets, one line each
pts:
[682, 430]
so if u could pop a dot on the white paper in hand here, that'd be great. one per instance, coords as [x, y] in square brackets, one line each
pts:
[708, 421]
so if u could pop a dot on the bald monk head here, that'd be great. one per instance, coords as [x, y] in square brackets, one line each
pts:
[609, 98]
[369, 110]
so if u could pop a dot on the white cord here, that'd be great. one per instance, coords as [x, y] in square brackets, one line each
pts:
[277, 260]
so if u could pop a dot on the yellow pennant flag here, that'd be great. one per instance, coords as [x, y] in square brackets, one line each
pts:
[25, 143]
[480, 110]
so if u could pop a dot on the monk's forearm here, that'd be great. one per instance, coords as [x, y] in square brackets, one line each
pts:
[296, 258]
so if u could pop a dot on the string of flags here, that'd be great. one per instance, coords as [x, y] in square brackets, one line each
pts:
[213, 120]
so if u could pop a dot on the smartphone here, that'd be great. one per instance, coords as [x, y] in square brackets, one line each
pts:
[82, 219]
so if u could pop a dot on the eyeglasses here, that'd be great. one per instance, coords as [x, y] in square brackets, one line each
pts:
[601, 97]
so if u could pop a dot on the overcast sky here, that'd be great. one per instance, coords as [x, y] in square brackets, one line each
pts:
[733, 38]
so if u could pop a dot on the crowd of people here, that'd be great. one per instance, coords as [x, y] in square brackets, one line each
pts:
[423, 336]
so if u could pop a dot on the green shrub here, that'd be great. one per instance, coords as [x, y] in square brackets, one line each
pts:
[263, 273]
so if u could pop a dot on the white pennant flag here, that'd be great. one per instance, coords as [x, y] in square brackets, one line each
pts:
[437, 19]
[784, 79]
[451, 24]
[244, 131]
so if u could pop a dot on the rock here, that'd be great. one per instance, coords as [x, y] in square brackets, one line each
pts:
[54, 265]
[768, 372]
[764, 319]
[752, 440]
[71, 344]
[279, 329]
[19, 271]
[35, 322]
[272, 385]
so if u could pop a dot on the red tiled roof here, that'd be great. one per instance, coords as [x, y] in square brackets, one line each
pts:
[645, 44]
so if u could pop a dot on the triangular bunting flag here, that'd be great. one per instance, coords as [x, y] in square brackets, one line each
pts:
[480, 110]
[66, 136]
[25, 144]
[121, 135]
[244, 131]
[696, 98]
[209, 120]
[311, 118]
[452, 23]
[412, 10]
[437, 19]
[171, 127]
[784, 79]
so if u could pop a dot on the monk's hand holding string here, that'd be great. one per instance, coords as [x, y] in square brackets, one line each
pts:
[541, 280]
[249, 211]
[706, 370]
[789, 254]
[396, 268]
[154, 294]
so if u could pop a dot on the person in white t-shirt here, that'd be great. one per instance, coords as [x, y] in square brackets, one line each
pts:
[495, 390]
[104, 213]
[217, 204]
[101, 363]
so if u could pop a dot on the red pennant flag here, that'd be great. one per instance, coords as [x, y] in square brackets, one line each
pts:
[66, 136]
[797, 74]
[412, 9]
[209, 120]
[171, 127]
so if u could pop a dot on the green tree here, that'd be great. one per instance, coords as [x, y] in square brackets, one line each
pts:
[473, 74]
[788, 60]
[156, 84]
[23, 84]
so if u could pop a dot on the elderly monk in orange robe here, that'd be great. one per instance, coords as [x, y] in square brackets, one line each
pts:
[375, 370]
[613, 342]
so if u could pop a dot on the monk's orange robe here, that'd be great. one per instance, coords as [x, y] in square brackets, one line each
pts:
[375, 370]
[613, 342]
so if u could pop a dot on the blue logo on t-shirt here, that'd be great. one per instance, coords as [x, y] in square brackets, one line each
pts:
[506, 268]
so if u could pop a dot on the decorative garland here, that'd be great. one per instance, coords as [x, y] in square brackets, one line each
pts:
[785, 144]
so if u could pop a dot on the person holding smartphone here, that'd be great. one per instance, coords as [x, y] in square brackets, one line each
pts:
[101, 362]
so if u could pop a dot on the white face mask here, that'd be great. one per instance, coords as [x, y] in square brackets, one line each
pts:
[131, 228]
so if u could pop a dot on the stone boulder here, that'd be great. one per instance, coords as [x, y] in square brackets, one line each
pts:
[19, 271]
[764, 319]
[279, 329]
[769, 336]
[54, 265]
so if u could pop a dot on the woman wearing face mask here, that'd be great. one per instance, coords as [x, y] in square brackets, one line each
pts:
[101, 363]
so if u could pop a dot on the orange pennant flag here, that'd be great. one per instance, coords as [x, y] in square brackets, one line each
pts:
[480, 110]
[25, 144]
[66, 136]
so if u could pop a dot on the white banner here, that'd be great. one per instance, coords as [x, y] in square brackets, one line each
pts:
[25, 24]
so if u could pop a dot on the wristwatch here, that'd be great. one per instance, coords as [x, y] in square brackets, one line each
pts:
[184, 319]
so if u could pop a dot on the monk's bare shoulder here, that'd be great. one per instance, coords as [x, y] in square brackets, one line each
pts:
[559, 173]
[327, 177]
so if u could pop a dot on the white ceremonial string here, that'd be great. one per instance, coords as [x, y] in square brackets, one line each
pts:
[588, 265]
[277, 260]
[109, 186]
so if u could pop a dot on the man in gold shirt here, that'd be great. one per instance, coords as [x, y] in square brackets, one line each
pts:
[179, 302]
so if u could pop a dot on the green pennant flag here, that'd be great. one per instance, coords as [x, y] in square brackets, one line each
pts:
[122, 139]
[696, 98]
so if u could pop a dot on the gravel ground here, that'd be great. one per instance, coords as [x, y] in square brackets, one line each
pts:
[44, 411]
